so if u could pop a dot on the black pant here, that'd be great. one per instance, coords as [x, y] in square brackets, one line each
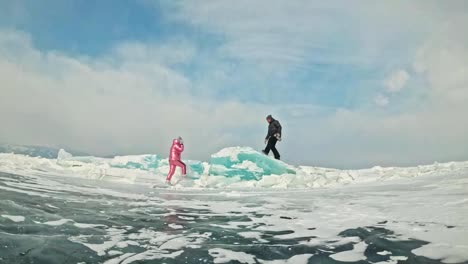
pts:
[271, 145]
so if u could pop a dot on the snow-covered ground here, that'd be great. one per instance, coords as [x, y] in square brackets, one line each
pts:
[377, 215]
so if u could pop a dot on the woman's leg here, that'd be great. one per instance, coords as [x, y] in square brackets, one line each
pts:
[171, 172]
[182, 166]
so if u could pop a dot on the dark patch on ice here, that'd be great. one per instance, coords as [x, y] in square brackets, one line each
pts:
[26, 252]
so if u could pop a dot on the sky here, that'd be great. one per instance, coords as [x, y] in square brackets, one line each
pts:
[354, 83]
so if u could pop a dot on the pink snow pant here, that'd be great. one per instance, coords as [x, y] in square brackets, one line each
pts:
[173, 164]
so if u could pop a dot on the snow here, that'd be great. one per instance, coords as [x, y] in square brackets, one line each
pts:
[119, 259]
[114, 252]
[255, 235]
[14, 218]
[82, 225]
[232, 152]
[393, 260]
[448, 253]
[298, 259]
[175, 244]
[175, 226]
[58, 222]
[384, 253]
[186, 217]
[403, 258]
[356, 254]
[151, 255]
[224, 256]
[51, 206]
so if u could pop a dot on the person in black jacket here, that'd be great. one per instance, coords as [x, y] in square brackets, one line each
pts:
[273, 136]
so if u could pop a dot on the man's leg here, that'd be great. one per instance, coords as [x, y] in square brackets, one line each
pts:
[267, 148]
[275, 153]
[273, 141]
[270, 145]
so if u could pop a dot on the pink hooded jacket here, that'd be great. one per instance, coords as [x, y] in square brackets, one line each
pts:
[176, 149]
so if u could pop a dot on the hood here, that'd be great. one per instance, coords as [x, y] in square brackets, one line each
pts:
[271, 118]
[178, 141]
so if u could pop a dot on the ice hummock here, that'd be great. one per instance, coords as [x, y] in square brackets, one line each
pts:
[246, 163]
[147, 162]
[235, 167]
[242, 162]
[34, 151]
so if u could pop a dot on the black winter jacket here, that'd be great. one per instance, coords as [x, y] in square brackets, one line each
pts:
[273, 128]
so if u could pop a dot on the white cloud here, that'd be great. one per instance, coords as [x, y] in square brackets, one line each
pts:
[110, 104]
[381, 100]
[396, 81]
[443, 61]
[274, 35]
[433, 129]
[277, 34]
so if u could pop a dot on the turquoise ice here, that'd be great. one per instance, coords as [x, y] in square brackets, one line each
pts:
[147, 162]
[246, 163]
[242, 162]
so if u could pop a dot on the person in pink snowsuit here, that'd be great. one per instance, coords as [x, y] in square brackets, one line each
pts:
[174, 158]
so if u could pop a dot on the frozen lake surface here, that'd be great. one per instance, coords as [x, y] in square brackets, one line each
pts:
[48, 217]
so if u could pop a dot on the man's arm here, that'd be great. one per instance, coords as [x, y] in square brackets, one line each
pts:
[278, 127]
